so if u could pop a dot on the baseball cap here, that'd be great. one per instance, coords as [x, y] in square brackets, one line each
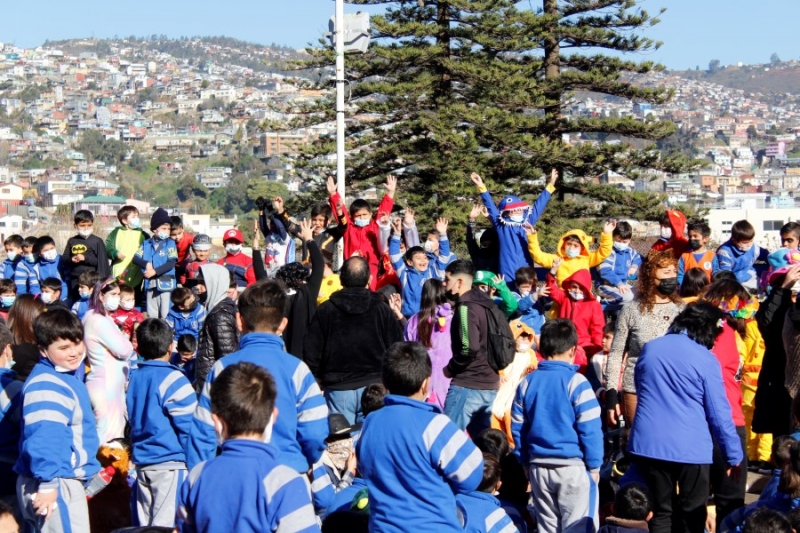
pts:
[233, 235]
[484, 277]
[201, 242]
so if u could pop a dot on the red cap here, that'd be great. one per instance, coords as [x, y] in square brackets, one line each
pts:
[233, 235]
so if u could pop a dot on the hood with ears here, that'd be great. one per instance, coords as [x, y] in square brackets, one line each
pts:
[584, 279]
[580, 234]
[677, 221]
[518, 328]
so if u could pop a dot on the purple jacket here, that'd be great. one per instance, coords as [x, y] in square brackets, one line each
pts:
[440, 351]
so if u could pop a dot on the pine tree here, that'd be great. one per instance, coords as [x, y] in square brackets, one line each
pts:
[454, 86]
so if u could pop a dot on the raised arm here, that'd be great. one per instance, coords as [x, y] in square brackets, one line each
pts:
[606, 245]
[491, 210]
[539, 257]
[544, 198]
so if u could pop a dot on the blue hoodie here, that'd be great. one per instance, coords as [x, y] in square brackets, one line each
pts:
[513, 239]
[183, 323]
[414, 459]
[9, 267]
[742, 264]
[302, 424]
[44, 269]
[555, 418]
[245, 489]
[412, 279]
[59, 431]
[614, 268]
[25, 277]
[481, 513]
[160, 402]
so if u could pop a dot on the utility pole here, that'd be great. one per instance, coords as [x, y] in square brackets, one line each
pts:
[340, 81]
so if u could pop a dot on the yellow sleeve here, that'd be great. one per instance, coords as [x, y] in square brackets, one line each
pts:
[550, 188]
[539, 257]
[599, 255]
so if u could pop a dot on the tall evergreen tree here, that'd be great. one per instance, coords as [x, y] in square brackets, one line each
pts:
[454, 86]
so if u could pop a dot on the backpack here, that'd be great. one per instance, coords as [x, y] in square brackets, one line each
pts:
[501, 343]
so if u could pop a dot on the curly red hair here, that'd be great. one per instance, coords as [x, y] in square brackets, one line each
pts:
[647, 279]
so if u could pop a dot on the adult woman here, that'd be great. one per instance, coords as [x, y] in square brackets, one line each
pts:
[646, 317]
[108, 350]
[681, 405]
[219, 335]
[24, 347]
[431, 328]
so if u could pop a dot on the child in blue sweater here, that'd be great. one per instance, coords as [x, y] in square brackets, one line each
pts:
[86, 282]
[480, 510]
[415, 267]
[558, 434]
[409, 439]
[13, 246]
[24, 267]
[160, 402]
[187, 316]
[157, 258]
[59, 432]
[48, 265]
[247, 488]
[739, 254]
[622, 265]
[529, 304]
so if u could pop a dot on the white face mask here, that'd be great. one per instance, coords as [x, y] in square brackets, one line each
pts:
[85, 232]
[134, 223]
[162, 235]
[620, 246]
[523, 346]
[745, 248]
[233, 248]
[576, 295]
[46, 298]
[361, 222]
[112, 303]
[572, 253]
[127, 306]
[11, 255]
[50, 255]
[429, 247]
[666, 233]
[517, 219]
[64, 369]
[524, 292]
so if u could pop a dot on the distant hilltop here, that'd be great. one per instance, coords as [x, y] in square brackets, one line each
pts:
[774, 78]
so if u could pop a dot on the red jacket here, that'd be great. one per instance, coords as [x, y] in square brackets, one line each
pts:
[679, 244]
[586, 314]
[242, 267]
[184, 245]
[727, 353]
[192, 270]
[126, 320]
[362, 240]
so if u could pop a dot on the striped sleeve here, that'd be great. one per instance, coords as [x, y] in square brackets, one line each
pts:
[587, 421]
[518, 421]
[9, 398]
[322, 489]
[455, 456]
[289, 502]
[202, 439]
[47, 409]
[184, 521]
[312, 414]
[498, 521]
[21, 275]
[201, 317]
[178, 398]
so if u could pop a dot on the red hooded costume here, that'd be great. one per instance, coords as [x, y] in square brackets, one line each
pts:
[679, 244]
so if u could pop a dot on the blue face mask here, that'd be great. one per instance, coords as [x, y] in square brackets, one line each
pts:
[621, 246]
[572, 253]
[361, 222]
[11, 255]
[7, 301]
[30, 258]
[162, 235]
[84, 295]
[517, 219]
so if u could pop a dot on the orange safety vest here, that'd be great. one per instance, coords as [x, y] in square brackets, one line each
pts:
[706, 263]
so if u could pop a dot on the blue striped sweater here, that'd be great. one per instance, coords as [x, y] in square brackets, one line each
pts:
[10, 403]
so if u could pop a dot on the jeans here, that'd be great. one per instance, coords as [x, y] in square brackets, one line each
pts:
[469, 409]
[346, 402]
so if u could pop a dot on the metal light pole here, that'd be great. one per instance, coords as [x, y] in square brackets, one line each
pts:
[340, 81]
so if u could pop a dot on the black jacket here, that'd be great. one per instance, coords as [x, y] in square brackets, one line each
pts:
[347, 339]
[303, 304]
[218, 338]
[619, 525]
[772, 401]
[470, 365]
[93, 250]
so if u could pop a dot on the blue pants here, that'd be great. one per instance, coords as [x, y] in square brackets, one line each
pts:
[346, 402]
[470, 409]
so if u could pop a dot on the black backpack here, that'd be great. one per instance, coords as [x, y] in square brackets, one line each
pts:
[501, 344]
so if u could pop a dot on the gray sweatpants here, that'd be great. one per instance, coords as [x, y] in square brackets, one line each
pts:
[158, 304]
[157, 496]
[71, 513]
[564, 497]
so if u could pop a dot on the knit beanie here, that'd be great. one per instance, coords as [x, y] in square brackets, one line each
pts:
[159, 218]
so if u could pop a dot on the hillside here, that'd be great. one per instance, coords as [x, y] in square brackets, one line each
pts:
[767, 79]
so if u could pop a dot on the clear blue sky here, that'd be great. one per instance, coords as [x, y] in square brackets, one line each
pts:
[693, 31]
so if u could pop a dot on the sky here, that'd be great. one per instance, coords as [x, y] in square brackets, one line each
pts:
[693, 31]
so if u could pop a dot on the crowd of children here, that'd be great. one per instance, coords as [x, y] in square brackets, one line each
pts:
[505, 405]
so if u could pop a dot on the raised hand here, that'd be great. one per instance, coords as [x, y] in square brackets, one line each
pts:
[477, 210]
[331, 185]
[529, 229]
[391, 185]
[256, 231]
[476, 179]
[383, 220]
[498, 279]
[609, 226]
[441, 225]
[397, 226]
[277, 203]
[409, 218]
[553, 177]
[306, 231]
[556, 264]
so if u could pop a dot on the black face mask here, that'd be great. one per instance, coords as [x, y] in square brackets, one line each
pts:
[694, 244]
[451, 296]
[667, 286]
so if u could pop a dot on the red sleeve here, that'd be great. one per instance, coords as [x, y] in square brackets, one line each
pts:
[556, 293]
[250, 275]
[386, 206]
[335, 202]
[596, 327]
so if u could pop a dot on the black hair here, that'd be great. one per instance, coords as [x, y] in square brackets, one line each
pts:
[8, 285]
[6, 509]
[489, 238]
[789, 227]
[175, 222]
[293, 274]
[623, 230]
[54, 284]
[461, 266]
[83, 215]
[406, 365]
[491, 473]
[13, 240]
[699, 226]
[180, 295]
[29, 242]
[262, 306]
[558, 336]
[694, 281]
[493, 442]
[573, 238]
[41, 242]
[765, 520]
[524, 275]
[6, 338]
[154, 338]
[125, 289]
[187, 343]
[354, 273]
[433, 295]
[372, 398]
[723, 274]
[633, 502]
[742, 230]
[664, 220]
[610, 327]
[89, 278]
[793, 517]
[782, 450]
[321, 209]
[243, 395]
[357, 205]
[411, 252]
[126, 211]
[796, 408]
[701, 322]
[57, 324]
[725, 290]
